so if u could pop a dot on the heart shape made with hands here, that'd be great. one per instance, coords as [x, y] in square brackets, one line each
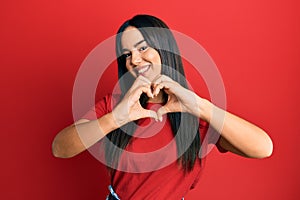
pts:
[179, 99]
[130, 109]
[172, 104]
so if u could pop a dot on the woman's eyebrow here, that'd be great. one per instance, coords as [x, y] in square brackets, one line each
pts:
[135, 45]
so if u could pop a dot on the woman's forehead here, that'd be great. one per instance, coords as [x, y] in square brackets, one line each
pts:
[130, 37]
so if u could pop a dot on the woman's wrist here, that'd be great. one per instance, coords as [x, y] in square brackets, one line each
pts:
[212, 114]
[205, 109]
[108, 123]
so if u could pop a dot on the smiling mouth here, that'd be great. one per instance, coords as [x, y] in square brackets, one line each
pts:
[142, 70]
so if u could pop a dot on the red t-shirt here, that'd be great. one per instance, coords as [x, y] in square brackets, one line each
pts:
[148, 168]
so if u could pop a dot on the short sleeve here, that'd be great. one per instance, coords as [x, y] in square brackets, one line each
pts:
[203, 127]
[102, 107]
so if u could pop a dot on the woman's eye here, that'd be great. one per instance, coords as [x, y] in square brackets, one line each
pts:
[143, 48]
[126, 55]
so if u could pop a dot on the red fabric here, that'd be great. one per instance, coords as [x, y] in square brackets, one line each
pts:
[154, 172]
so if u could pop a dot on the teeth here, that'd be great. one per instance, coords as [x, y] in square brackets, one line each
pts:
[143, 70]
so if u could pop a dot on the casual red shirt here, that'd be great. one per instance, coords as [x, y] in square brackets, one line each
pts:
[148, 168]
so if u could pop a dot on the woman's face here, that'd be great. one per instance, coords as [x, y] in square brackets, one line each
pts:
[141, 59]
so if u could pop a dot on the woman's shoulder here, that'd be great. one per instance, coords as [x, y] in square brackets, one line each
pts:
[103, 105]
[108, 101]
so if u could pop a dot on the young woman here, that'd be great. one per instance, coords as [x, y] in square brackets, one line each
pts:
[157, 116]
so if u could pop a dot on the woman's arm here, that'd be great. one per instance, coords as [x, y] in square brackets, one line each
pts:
[237, 135]
[79, 136]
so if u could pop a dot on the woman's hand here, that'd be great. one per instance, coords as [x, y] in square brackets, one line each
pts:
[180, 99]
[237, 135]
[130, 109]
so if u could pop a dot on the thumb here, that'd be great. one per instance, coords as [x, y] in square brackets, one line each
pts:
[151, 114]
[162, 111]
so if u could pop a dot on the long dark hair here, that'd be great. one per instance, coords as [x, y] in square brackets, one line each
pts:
[184, 125]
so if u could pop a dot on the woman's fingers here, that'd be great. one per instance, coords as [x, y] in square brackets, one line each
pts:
[141, 89]
[144, 79]
[162, 111]
[140, 80]
[156, 89]
[161, 78]
[179, 99]
[164, 82]
[140, 85]
[150, 113]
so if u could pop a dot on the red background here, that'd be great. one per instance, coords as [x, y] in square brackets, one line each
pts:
[255, 44]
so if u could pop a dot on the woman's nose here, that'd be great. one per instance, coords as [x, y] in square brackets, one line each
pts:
[136, 57]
